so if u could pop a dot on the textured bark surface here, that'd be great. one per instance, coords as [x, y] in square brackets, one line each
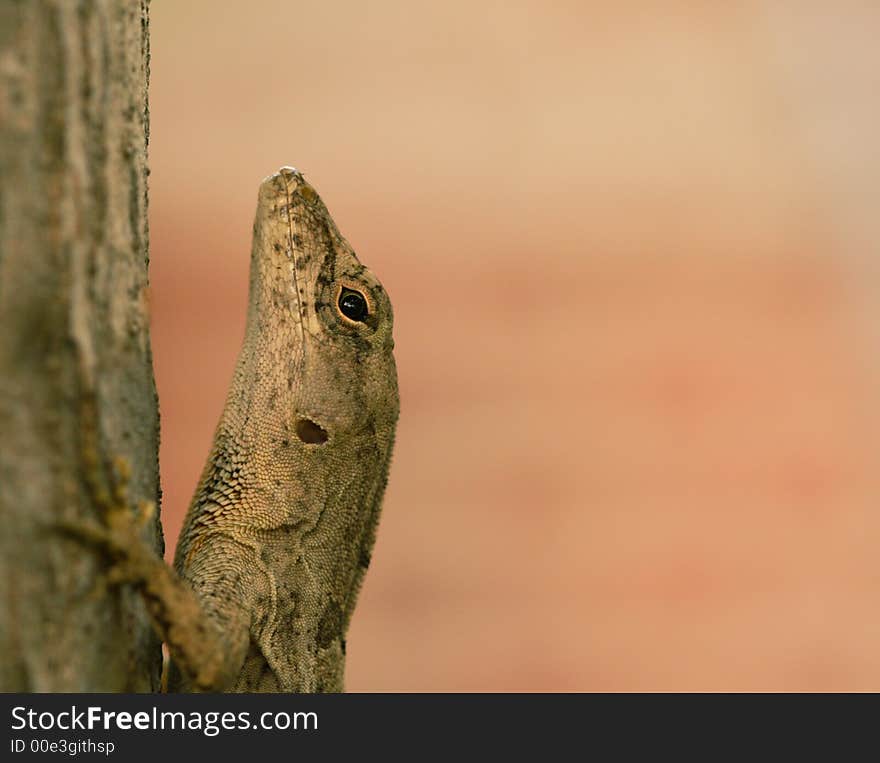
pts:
[77, 398]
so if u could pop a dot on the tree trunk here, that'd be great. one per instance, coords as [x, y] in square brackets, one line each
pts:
[78, 409]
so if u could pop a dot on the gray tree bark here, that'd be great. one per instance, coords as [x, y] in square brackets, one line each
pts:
[78, 410]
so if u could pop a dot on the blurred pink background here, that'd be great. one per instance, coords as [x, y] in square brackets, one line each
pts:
[633, 254]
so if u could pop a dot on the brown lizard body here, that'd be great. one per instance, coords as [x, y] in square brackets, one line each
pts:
[281, 528]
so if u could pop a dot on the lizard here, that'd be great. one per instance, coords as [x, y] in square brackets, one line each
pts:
[281, 528]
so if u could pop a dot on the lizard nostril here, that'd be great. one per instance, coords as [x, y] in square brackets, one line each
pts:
[310, 432]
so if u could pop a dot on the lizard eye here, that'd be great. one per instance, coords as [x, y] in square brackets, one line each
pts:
[353, 305]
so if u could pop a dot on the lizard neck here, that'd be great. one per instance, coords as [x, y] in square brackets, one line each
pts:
[301, 634]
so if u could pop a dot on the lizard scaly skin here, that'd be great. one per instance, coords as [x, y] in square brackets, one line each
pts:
[281, 528]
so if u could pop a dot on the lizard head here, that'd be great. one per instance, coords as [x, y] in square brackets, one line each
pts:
[320, 359]
[297, 472]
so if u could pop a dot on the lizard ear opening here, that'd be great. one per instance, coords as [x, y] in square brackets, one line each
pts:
[310, 432]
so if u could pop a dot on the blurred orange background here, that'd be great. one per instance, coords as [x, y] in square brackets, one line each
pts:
[633, 254]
